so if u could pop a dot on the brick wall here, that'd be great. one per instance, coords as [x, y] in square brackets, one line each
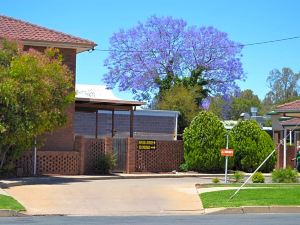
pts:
[167, 157]
[62, 139]
[290, 154]
[152, 127]
[90, 151]
[49, 162]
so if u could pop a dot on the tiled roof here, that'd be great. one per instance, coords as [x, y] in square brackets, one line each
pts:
[295, 105]
[291, 122]
[24, 31]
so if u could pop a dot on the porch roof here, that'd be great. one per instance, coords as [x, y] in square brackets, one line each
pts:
[92, 104]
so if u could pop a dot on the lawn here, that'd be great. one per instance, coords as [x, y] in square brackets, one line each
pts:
[274, 195]
[7, 202]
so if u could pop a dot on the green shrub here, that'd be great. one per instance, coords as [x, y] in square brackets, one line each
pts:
[251, 146]
[288, 175]
[258, 177]
[216, 180]
[203, 140]
[106, 163]
[183, 167]
[238, 177]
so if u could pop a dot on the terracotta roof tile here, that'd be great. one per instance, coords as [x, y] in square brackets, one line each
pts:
[20, 30]
[291, 122]
[289, 106]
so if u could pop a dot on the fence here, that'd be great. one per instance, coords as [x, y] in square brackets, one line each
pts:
[167, 156]
[49, 162]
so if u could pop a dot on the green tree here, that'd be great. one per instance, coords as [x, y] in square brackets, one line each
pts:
[194, 82]
[251, 146]
[283, 85]
[181, 99]
[242, 103]
[35, 90]
[216, 106]
[203, 140]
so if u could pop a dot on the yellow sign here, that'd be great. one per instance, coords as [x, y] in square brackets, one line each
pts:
[146, 145]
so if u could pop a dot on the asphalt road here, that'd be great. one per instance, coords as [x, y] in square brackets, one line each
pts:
[245, 219]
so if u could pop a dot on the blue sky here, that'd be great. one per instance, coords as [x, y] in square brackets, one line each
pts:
[244, 21]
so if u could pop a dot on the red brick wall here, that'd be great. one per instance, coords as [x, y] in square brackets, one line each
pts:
[167, 157]
[62, 139]
[290, 154]
[49, 162]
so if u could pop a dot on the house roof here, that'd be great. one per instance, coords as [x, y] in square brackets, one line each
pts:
[291, 122]
[31, 34]
[290, 106]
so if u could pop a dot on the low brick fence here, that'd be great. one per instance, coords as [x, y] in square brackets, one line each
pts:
[90, 150]
[49, 162]
[167, 157]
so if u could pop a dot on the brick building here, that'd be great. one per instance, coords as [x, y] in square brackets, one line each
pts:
[286, 132]
[66, 153]
[39, 38]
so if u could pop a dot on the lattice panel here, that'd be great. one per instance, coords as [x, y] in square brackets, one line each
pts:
[94, 149]
[167, 157]
[50, 162]
[58, 162]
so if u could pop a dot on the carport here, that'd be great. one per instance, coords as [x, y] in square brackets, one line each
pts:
[94, 105]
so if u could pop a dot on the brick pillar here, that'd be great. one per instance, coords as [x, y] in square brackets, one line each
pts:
[108, 145]
[80, 146]
[131, 161]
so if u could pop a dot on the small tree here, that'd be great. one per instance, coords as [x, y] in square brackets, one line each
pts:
[203, 140]
[35, 90]
[252, 145]
[180, 99]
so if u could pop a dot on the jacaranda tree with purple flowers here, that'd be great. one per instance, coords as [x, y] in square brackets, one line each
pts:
[163, 50]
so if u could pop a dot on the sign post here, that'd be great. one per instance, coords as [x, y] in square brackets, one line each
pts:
[226, 152]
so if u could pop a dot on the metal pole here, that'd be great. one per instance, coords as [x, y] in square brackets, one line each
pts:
[131, 123]
[290, 137]
[96, 127]
[284, 148]
[112, 123]
[226, 158]
[34, 157]
[226, 163]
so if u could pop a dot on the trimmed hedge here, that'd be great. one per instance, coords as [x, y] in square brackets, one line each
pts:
[251, 146]
[203, 140]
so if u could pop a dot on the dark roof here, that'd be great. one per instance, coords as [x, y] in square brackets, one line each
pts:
[26, 32]
[91, 104]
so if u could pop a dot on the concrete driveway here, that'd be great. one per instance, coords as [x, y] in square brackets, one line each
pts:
[149, 196]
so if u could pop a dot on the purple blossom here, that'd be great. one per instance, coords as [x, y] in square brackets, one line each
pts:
[147, 51]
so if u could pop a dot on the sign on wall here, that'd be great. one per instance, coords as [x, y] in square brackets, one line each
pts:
[146, 145]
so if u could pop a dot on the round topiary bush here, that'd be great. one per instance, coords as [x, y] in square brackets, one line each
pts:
[251, 146]
[203, 140]
[258, 177]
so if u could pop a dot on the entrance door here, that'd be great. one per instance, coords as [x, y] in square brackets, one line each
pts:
[119, 148]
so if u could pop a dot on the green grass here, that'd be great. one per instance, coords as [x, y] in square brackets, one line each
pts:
[285, 185]
[266, 196]
[7, 202]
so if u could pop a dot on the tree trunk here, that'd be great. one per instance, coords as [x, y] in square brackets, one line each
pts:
[3, 157]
